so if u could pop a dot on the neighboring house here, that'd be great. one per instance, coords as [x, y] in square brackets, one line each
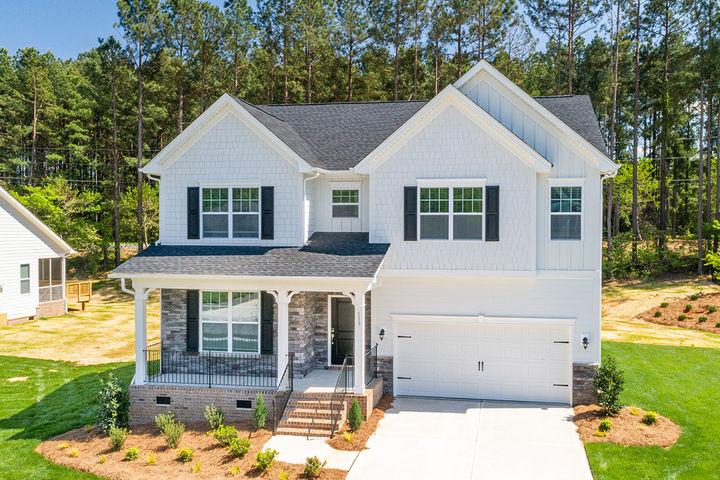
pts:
[32, 265]
[462, 236]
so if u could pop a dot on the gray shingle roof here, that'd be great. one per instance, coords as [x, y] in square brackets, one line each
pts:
[325, 255]
[337, 136]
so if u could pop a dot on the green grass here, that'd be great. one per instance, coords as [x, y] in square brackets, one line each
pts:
[681, 383]
[46, 404]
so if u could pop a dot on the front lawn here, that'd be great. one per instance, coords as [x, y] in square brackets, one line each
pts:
[682, 383]
[55, 397]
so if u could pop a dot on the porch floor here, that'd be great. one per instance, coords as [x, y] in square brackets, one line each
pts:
[319, 380]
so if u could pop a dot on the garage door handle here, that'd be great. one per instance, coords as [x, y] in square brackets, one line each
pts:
[481, 366]
[404, 378]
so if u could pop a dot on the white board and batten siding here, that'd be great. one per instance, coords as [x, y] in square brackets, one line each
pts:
[21, 242]
[319, 194]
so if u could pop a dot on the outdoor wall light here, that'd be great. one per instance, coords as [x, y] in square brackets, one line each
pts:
[382, 333]
[585, 342]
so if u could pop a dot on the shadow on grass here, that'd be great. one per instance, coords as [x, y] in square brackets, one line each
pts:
[71, 405]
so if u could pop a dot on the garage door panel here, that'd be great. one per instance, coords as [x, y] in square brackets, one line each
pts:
[483, 361]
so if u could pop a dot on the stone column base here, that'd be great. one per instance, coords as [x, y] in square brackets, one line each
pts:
[583, 392]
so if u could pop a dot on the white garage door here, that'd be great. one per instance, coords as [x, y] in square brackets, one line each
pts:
[530, 363]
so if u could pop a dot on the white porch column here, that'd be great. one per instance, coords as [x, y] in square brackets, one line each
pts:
[282, 298]
[140, 335]
[358, 299]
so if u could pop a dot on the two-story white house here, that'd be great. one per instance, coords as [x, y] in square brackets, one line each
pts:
[453, 245]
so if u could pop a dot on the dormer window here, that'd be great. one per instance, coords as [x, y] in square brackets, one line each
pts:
[222, 217]
[346, 203]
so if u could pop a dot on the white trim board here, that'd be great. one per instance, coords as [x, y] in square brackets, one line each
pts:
[482, 320]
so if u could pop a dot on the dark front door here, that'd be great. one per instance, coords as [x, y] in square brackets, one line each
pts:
[341, 329]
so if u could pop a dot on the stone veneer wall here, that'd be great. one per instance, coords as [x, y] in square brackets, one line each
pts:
[173, 319]
[583, 392]
[385, 370]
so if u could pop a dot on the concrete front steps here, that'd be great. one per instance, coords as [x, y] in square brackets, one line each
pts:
[309, 415]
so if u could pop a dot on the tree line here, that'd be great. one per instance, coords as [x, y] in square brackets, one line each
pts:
[77, 129]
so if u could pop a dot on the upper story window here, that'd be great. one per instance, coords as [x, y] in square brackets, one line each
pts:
[230, 322]
[451, 213]
[25, 278]
[50, 279]
[231, 212]
[566, 212]
[345, 203]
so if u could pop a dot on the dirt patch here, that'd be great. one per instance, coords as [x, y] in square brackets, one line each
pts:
[698, 317]
[91, 447]
[17, 379]
[627, 429]
[361, 436]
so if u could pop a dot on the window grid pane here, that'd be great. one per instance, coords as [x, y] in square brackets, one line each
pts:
[245, 337]
[345, 196]
[566, 199]
[245, 307]
[467, 200]
[434, 200]
[245, 200]
[215, 200]
[214, 306]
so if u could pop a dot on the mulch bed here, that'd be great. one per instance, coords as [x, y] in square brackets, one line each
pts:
[361, 436]
[627, 429]
[216, 462]
[700, 308]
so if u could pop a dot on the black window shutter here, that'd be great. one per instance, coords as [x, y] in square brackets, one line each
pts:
[193, 213]
[192, 308]
[267, 216]
[266, 323]
[410, 213]
[492, 213]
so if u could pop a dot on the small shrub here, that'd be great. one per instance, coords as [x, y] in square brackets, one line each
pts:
[605, 425]
[234, 470]
[266, 459]
[260, 413]
[164, 419]
[694, 296]
[313, 467]
[688, 307]
[717, 325]
[355, 418]
[150, 459]
[650, 418]
[132, 454]
[658, 313]
[225, 434]
[196, 468]
[117, 437]
[633, 411]
[214, 416]
[598, 433]
[712, 309]
[702, 319]
[103, 459]
[238, 447]
[114, 401]
[283, 475]
[64, 445]
[173, 433]
[74, 452]
[609, 383]
[88, 428]
[664, 304]
[185, 454]
[681, 317]
[348, 436]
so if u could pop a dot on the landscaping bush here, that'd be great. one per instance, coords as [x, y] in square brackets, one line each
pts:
[355, 418]
[214, 416]
[114, 404]
[196, 468]
[132, 454]
[74, 452]
[313, 467]
[238, 447]
[694, 296]
[163, 419]
[150, 459]
[609, 383]
[225, 434]
[702, 319]
[173, 432]
[103, 459]
[118, 436]
[712, 309]
[650, 418]
[185, 454]
[348, 436]
[658, 313]
[688, 307]
[283, 475]
[664, 304]
[681, 317]
[260, 413]
[605, 425]
[234, 470]
[266, 459]
[717, 325]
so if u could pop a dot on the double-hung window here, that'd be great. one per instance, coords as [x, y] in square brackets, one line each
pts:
[451, 213]
[230, 322]
[231, 212]
[566, 212]
[345, 203]
[25, 278]
[50, 279]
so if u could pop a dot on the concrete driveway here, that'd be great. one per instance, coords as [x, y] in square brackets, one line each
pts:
[462, 439]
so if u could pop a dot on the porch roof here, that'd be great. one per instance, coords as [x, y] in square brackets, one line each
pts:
[327, 254]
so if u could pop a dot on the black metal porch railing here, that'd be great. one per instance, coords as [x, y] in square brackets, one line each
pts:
[214, 369]
[371, 365]
[283, 391]
[337, 401]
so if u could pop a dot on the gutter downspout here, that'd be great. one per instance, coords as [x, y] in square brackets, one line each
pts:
[304, 232]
